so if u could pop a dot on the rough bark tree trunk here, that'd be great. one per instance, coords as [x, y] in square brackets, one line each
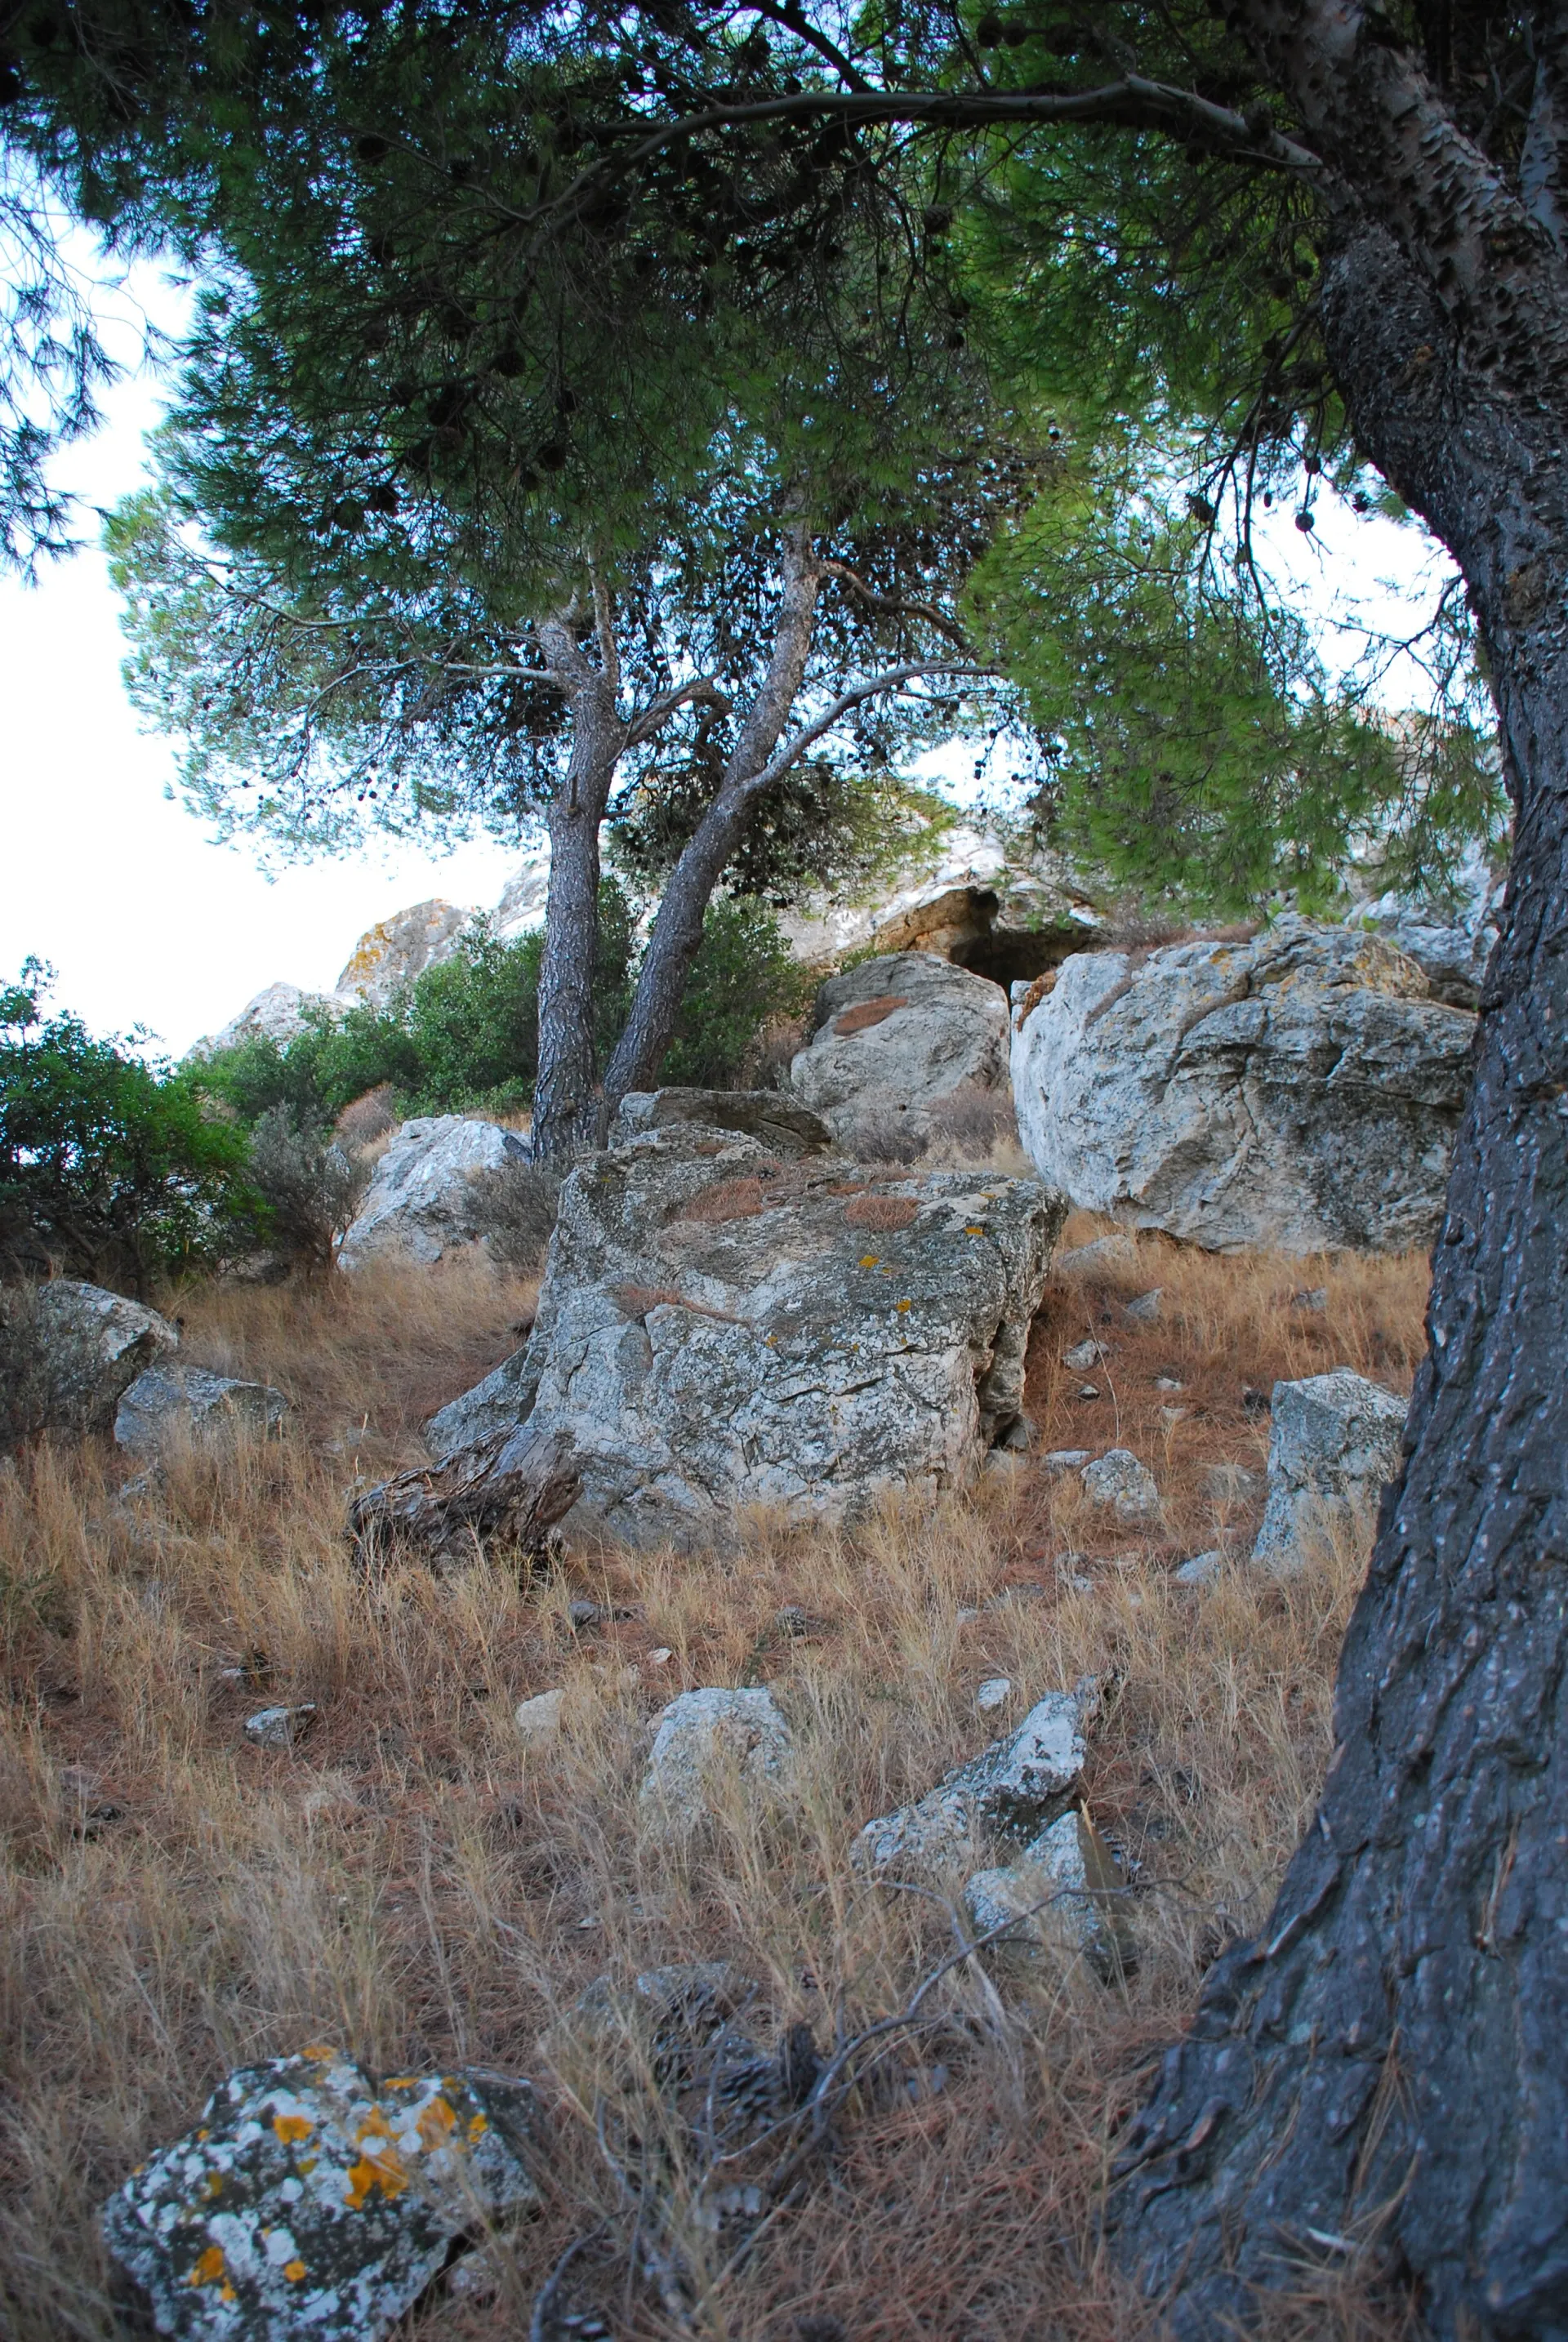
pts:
[678, 929]
[1387, 2061]
[564, 1091]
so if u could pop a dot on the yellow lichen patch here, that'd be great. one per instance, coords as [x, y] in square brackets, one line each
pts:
[903, 1304]
[478, 2126]
[375, 2126]
[292, 2128]
[317, 2049]
[383, 2171]
[293, 2270]
[210, 2268]
[214, 2184]
[436, 2124]
[975, 1231]
[868, 1260]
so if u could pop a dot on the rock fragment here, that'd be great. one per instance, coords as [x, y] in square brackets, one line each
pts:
[1336, 1442]
[312, 2200]
[1120, 1482]
[1004, 1793]
[172, 1406]
[702, 1736]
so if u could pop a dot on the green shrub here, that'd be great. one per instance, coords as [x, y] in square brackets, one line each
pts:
[743, 977]
[310, 1190]
[112, 1167]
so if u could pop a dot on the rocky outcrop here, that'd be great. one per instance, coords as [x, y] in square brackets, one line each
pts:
[1301, 1090]
[721, 1326]
[521, 910]
[421, 1202]
[895, 1038]
[79, 1348]
[1334, 1445]
[281, 1013]
[311, 2200]
[176, 1406]
[1450, 942]
[389, 956]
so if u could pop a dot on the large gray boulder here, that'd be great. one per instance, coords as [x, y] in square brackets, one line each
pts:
[421, 1204]
[1334, 1445]
[389, 956]
[312, 2200]
[71, 1353]
[1299, 1091]
[721, 1326]
[896, 1037]
[175, 1406]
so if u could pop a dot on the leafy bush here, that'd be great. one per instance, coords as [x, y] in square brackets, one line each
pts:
[112, 1167]
[310, 1190]
[514, 1206]
[743, 977]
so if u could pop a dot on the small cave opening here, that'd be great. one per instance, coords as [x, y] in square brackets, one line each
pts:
[1009, 955]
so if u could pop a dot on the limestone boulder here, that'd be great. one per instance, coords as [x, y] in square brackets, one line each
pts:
[312, 2200]
[176, 1406]
[896, 1037]
[1334, 1445]
[1299, 1091]
[1449, 941]
[421, 1202]
[721, 1326]
[79, 1348]
[1063, 1896]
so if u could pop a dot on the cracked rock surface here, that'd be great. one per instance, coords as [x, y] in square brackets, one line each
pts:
[721, 1326]
[1301, 1091]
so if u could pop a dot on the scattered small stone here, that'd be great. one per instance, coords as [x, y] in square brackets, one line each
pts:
[1006, 1792]
[539, 1718]
[792, 1620]
[1088, 1390]
[1171, 1416]
[662, 1656]
[1004, 1464]
[702, 1732]
[967, 1616]
[1204, 1569]
[251, 1672]
[1105, 1253]
[1312, 1300]
[994, 1693]
[1145, 1308]
[1066, 1459]
[312, 2200]
[1255, 1402]
[1030, 1590]
[280, 1728]
[1168, 1383]
[1118, 1479]
[1083, 1354]
[1234, 1484]
[581, 1613]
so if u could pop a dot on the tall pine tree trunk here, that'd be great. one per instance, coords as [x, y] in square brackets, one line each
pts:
[565, 1105]
[1390, 2058]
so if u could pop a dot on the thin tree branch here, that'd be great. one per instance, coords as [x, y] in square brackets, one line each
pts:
[895, 605]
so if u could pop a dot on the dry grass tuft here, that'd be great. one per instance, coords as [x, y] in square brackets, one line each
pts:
[417, 1883]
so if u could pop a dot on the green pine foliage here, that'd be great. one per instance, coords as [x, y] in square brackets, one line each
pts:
[743, 978]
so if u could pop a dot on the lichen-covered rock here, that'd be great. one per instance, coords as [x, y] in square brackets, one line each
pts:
[280, 1013]
[311, 2200]
[87, 1347]
[389, 956]
[1118, 1481]
[1063, 1894]
[1450, 941]
[896, 1037]
[705, 1734]
[170, 1405]
[782, 1123]
[1301, 1091]
[1334, 1445]
[422, 1203]
[1006, 1792]
[719, 1326]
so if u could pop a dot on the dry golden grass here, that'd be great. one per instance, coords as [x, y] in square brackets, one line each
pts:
[416, 1882]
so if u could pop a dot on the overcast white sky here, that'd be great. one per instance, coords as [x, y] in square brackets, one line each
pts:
[149, 923]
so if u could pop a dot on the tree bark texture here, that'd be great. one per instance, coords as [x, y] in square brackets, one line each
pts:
[564, 1091]
[1387, 2065]
[678, 929]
